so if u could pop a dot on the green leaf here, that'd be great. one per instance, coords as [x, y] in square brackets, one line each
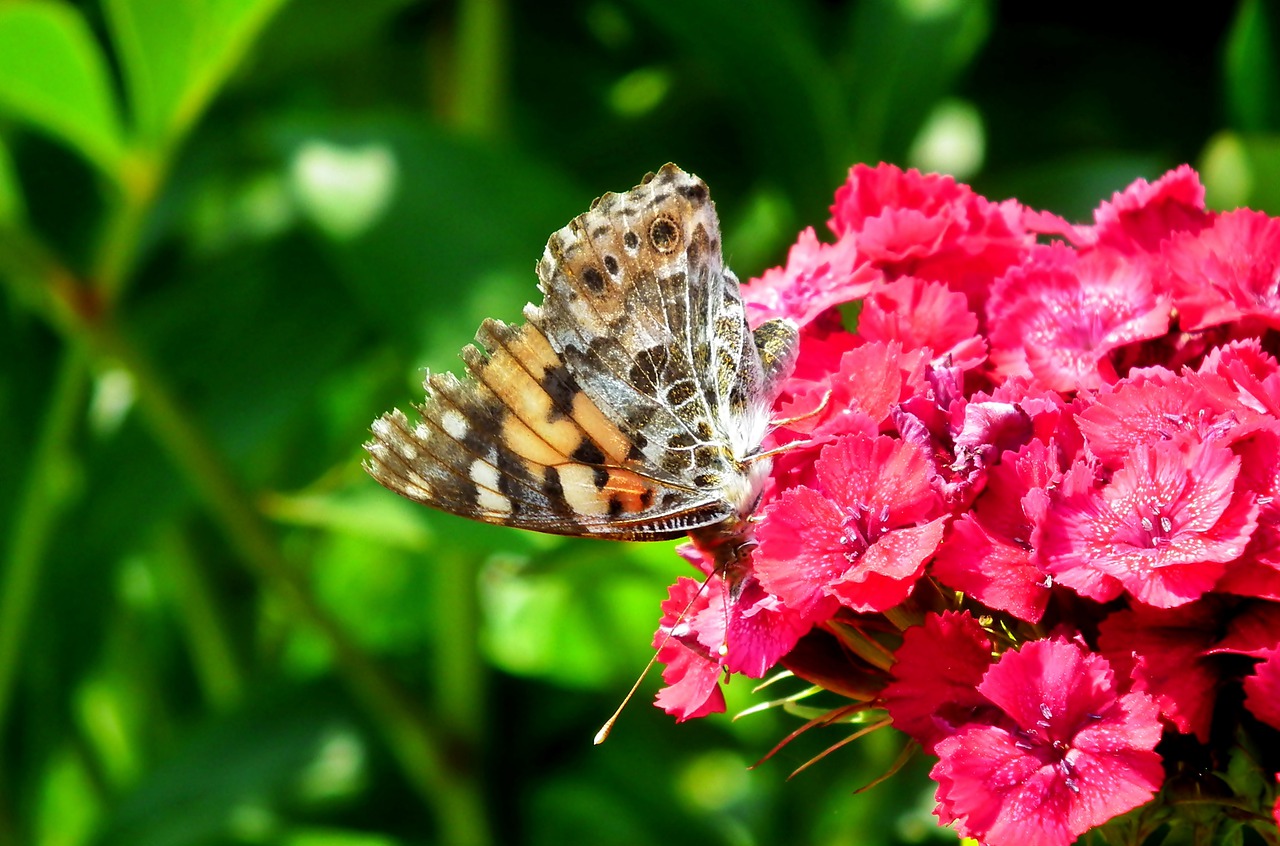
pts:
[177, 53]
[53, 77]
[1251, 69]
[895, 90]
[1242, 169]
[11, 206]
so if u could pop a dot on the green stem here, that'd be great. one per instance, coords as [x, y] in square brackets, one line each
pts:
[477, 101]
[121, 234]
[456, 663]
[213, 656]
[45, 494]
[410, 737]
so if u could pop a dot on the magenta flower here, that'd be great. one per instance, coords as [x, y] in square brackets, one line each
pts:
[1262, 689]
[1066, 752]
[923, 315]
[928, 225]
[989, 552]
[1227, 271]
[1025, 498]
[1059, 315]
[1164, 528]
[1166, 654]
[704, 643]
[860, 536]
[816, 277]
[935, 678]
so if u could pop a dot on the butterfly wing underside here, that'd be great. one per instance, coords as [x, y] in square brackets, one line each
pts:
[627, 404]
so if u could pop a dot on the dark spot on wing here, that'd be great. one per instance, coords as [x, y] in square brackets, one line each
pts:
[554, 491]
[680, 440]
[707, 456]
[707, 480]
[562, 388]
[676, 462]
[680, 393]
[512, 478]
[631, 240]
[588, 453]
[635, 452]
[648, 365]
[696, 192]
[611, 265]
[593, 278]
[664, 234]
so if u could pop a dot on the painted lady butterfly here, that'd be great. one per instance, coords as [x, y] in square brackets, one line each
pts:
[630, 406]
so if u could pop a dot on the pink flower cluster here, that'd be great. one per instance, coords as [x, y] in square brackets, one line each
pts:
[1039, 464]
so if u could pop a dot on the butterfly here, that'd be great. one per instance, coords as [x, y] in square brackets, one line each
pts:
[631, 404]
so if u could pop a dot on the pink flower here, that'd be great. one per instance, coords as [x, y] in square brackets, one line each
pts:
[935, 677]
[1257, 573]
[1059, 315]
[927, 225]
[1067, 751]
[989, 552]
[692, 669]
[1227, 271]
[701, 644]
[1262, 689]
[870, 380]
[1184, 657]
[1165, 653]
[923, 315]
[860, 536]
[1160, 406]
[816, 277]
[1165, 526]
[1140, 218]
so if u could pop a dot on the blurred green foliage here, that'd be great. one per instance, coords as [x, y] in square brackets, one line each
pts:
[233, 231]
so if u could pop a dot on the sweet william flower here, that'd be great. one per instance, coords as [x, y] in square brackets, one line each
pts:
[1262, 689]
[1077, 442]
[1186, 657]
[1227, 271]
[1058, 315]
[1065, 751]
[1137, 220]
[906, 223]
[989, 552]
[1165, 651]
[936, 673]
[707, 631]
[1164, 528]
[860, 536]
[816, 277]
[923, 315]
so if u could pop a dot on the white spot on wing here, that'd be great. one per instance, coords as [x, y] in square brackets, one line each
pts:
[580, 491]
[455, 424]
[485, 476]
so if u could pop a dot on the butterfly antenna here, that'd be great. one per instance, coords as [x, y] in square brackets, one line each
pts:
[603, 734]
[803, 442]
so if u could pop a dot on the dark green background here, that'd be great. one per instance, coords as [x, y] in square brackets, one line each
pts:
[234, 231]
